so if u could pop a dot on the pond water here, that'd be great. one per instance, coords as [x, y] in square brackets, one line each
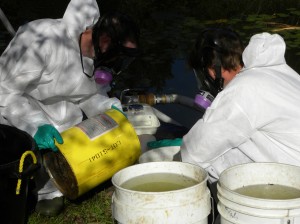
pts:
[168, 31]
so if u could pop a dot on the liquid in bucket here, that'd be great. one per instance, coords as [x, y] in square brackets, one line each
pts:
[269, 191]
[159, 182]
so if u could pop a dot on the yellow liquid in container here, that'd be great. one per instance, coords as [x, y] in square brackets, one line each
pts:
[159, 182]
[270, 191]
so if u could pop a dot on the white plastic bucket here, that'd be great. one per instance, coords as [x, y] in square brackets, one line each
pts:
[188, 205]
[240, 209]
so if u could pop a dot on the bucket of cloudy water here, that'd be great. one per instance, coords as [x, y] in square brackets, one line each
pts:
[161, 192]
[264, 193]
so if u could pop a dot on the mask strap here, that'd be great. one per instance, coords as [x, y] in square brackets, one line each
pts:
[89, 76]
[126, 64]
[219, 81]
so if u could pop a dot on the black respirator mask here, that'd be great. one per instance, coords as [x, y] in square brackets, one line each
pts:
[207, 89]
[210, 46]
[207, 49]
[110, 64]
[207, 83]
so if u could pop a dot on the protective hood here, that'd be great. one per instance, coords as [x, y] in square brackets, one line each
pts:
[264, 50]
[79, 16]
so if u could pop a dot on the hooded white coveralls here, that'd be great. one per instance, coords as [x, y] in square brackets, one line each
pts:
[41, 78]
[256, 118]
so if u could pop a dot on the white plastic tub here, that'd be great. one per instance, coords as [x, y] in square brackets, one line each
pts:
[188, 205]
[240, 209]
[142, 117]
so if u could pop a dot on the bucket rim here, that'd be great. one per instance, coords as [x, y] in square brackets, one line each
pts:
[224, 191]
[11, 130]
[9, 164]
[232, 192]
[117, 186]
[255, 164]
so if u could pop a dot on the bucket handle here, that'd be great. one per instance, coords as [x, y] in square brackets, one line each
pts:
[112, 210]
[212, 209]
[21, 164]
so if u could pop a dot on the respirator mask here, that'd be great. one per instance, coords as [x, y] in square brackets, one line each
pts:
[208, 83]
[108, 65]
[203, 98]
[208, 87]
[209, 56]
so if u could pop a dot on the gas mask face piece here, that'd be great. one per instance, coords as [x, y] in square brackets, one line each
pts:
[204, 98]
[112, 63]
[214, 50]
[209, 53]
[103, 76]
[207, 83]
[116, 29]
[116, 60]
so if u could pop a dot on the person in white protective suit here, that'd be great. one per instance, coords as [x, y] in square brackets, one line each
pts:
[47, 81]
[256, 117]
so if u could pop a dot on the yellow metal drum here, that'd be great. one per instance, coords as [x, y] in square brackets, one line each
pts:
[92, 152]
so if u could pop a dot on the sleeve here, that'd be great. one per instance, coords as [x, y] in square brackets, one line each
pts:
[21, 66]
[223, 127]
[98, 103]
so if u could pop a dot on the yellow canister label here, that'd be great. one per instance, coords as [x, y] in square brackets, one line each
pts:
[96, 149]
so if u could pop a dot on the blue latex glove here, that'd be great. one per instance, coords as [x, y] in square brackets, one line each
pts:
[45, 135]
[164, 143]
[116, 108]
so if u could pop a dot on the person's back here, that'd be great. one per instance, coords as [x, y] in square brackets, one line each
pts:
[268, 92]
[256, 118]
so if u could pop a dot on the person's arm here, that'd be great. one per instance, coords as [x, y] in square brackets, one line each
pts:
[21, 67]
[99, 103]
[224, 126]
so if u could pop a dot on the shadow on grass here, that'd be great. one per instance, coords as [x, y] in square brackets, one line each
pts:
[92, 207]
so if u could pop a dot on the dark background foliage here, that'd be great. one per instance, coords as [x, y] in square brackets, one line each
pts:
[169, 28]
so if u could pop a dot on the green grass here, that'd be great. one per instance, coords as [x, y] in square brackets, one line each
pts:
[93, 207]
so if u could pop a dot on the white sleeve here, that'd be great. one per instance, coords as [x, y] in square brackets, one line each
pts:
[224, 126]
[20, 67]
[98, 103]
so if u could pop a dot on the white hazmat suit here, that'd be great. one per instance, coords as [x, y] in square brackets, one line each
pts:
[41, 77]
[256, 118]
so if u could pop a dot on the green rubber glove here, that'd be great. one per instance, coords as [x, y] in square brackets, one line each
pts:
[45, 135]
[116, 108]
[164, 143]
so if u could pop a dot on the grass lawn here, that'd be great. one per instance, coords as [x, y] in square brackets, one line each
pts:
[91, 208]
